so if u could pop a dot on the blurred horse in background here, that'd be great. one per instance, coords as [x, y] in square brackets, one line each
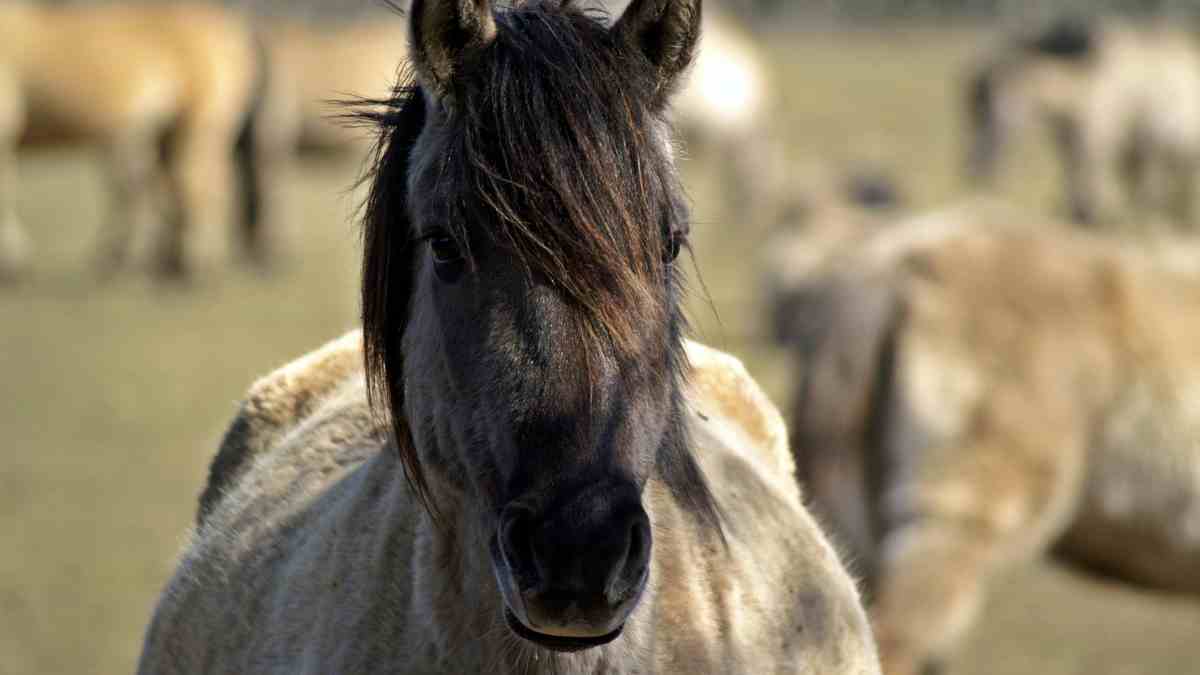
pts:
[164, 91]
[559, 481]
[313, 67]
[972, 390]
[313, 70]
[1122, 101]
[725, 113]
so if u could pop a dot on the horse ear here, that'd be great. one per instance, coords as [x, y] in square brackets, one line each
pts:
[666, 32]
[444, 34]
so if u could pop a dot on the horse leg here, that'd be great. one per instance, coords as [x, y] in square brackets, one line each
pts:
[262, 171]
[1135, 174]
[131, 172]
[15, 245]
[1090, 164]
[1184, 170]
[936, 560]
[200, 180]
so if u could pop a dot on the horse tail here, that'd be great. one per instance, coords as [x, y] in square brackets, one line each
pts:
[841, 406]
[247, 156]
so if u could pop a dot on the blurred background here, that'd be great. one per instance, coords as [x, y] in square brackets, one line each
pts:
[117, 382]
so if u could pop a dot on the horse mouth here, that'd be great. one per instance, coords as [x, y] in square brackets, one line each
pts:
[558, 643]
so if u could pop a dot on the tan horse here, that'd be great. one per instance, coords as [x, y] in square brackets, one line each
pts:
[137, 82]
[1123, 102]
[313, 71]
[312, 67]
[972, 393]
[553, 480]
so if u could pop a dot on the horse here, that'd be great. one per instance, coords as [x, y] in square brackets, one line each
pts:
[309, 72]
[312, 68]
[724, 114]
[164, 92]
[513, 468]
[1122, 101]
[975, 388]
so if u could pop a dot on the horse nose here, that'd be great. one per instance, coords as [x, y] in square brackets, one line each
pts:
[582, 567]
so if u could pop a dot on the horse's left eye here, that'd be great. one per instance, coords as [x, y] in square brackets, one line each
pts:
[673, 244]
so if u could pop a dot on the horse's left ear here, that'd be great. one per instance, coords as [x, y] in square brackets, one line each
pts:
[444, 35]
[666, 32]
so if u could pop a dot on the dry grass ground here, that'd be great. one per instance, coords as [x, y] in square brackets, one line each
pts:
[114, 395]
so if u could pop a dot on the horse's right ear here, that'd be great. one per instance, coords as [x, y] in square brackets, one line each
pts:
[445, 34]
[666, 32]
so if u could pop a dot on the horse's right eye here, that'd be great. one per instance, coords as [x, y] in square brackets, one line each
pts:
[448, 260]
[445, 249]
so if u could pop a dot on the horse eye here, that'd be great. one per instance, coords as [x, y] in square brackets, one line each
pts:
[673, 244]
[445, 249]
[448, 260]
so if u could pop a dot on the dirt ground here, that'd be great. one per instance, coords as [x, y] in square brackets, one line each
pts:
[115, 394]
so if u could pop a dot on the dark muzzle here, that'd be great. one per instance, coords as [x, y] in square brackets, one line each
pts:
[573, 573]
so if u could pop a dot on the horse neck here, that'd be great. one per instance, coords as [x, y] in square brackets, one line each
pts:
[456, 603]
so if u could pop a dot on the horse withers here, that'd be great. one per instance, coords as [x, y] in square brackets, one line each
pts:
[552, 479]
[975, 388]
[1122, 101]
[165, 92]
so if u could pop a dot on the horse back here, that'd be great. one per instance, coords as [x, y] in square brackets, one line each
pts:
[99, 71]
[273, 406]
[727, 396]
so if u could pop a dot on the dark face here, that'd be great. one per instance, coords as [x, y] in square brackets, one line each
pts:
[542, 347]
[551, 429]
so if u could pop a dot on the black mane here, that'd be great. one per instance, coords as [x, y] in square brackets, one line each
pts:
[553, 140]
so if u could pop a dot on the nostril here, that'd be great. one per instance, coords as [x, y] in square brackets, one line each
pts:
[516, 540]
[627, 575]
[639, 546]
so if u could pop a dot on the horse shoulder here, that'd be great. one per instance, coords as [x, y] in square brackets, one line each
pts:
[274, 405]
[791, 592]
[296, 529]
[734, 407]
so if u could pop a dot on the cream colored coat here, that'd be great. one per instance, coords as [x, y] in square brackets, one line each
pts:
[987, 388]
[319, 560]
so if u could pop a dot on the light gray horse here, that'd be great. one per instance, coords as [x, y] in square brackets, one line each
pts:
[975, 388]
[1123, 102]
[558, 491]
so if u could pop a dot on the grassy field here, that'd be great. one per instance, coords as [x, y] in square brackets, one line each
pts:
[115, 394]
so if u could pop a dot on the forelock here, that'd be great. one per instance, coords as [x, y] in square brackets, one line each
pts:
[553, 144]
